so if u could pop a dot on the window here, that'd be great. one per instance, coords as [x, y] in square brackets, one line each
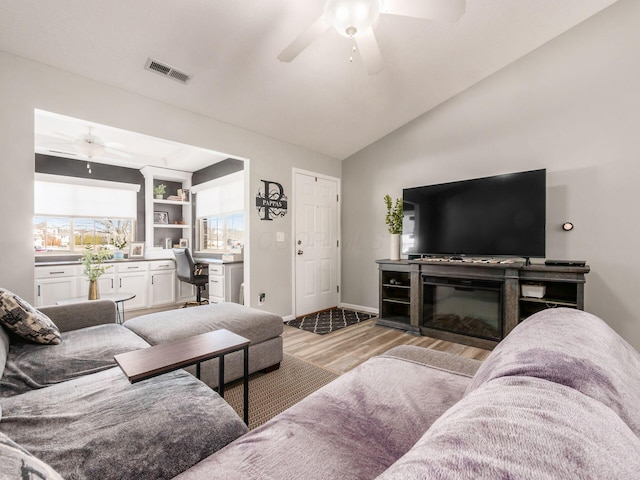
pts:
[55, 235]
[71, 213]
[220, 213]
[222, 233]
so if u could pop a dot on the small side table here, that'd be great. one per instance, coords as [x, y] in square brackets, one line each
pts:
[118, 298]
[149, 362]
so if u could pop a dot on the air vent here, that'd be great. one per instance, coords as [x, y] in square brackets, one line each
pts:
[167, 71]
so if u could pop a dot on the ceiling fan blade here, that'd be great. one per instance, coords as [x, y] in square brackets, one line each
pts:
[114, 145]
[118, 153]
[63, 135]
[60, 150]
[369, 51]
[444, 10]
[303, 40]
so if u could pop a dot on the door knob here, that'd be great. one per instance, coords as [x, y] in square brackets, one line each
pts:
[300, 252]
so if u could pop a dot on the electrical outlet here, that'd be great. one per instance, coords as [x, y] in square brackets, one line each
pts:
[263, 297]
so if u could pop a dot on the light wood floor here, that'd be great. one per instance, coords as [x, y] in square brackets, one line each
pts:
[345, 349]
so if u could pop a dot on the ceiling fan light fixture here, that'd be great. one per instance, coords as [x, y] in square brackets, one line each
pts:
[90, 146]
[351, 16]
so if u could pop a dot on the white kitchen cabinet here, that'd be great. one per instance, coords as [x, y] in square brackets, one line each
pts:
[55, 283]
[153, 282]
[133, 277]
[106, 284]
[224, 282]
[163, 281]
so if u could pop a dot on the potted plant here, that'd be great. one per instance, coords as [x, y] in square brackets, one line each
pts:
[93, 268]
[393, 219]
[119, 242]
[159, 191]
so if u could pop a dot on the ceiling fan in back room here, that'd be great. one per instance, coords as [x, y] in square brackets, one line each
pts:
[355, 19]
[89, 146]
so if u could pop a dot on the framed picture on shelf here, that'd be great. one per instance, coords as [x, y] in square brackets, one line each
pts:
[184, 243]
[136, 250]
[161, 217]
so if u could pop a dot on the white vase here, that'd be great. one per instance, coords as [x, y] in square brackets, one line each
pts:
[394, 253]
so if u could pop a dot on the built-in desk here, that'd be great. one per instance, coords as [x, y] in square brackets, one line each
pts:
[225, 279]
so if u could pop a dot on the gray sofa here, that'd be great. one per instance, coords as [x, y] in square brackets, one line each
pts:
[68, 410]
[559, 398]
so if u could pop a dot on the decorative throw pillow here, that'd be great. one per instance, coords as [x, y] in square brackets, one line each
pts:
[18, 463]
[24, 320]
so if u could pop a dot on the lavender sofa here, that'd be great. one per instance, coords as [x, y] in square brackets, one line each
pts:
[559, 398]
[67, 411]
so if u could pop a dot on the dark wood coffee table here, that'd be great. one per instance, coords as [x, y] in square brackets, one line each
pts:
[150, 362]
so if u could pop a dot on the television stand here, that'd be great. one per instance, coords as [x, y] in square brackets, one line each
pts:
[471, 302]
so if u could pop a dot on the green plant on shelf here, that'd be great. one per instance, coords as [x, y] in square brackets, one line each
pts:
[159, 190]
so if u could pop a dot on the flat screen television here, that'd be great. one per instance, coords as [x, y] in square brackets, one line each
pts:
[503, 215]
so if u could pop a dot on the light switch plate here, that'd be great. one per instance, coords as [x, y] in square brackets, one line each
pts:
[280, 237]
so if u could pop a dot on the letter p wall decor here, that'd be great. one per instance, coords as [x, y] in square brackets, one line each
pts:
[271, 201]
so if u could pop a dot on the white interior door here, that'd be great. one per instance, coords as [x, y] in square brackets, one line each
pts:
[316, 243]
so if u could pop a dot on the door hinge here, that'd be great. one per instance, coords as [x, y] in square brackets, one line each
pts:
[338, 243]
[338, 288]
[337, 198]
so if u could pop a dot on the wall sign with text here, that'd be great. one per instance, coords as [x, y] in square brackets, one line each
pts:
[271, 201]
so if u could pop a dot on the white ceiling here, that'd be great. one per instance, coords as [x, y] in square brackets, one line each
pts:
[319, 101]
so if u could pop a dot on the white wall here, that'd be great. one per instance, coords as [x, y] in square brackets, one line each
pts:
[26, 85]
[573, 107]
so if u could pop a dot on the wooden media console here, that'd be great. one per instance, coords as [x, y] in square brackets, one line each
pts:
[472, 301]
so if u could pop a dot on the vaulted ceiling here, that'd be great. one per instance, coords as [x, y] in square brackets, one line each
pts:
[321, 100]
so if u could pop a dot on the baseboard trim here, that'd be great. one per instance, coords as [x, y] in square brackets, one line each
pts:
[359, 308]
[288, 318]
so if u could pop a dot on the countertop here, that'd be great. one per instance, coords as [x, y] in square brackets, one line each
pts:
[51, 263]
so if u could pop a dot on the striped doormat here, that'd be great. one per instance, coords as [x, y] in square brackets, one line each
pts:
[328, 321]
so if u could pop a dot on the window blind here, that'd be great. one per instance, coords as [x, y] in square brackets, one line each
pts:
[222, 195]
[75, 197]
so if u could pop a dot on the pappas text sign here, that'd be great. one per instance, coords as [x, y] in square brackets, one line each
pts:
[271, 201]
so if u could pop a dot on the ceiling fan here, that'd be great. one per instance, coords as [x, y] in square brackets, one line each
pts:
[88, 146]
[355, 19]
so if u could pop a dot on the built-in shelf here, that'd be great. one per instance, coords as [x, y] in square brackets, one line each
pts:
[163, 234]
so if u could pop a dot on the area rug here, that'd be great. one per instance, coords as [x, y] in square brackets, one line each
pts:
[328, 321]
[274, 392]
